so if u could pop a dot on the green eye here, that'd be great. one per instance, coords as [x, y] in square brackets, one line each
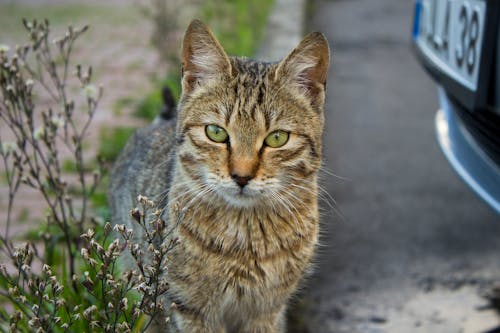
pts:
[216, 133]
[276, 139]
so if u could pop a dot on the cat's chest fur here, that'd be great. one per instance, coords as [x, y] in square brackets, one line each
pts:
[238, 260]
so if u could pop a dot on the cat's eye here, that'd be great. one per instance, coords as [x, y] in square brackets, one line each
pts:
[216, 133]
[277, 139]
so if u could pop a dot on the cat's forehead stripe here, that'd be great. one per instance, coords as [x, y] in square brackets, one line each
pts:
[250, 87]
[251, 67]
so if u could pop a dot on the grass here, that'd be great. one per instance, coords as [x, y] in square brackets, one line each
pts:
[238, 24]
[113, 140]
[69, 166]
[121, 103]
[149, 107]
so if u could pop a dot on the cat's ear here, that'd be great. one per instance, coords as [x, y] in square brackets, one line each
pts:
[203, 58]
[306, 67]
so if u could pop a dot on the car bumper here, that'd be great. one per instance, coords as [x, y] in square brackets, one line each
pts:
[465, 155]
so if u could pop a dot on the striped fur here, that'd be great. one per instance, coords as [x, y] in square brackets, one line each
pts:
[242, 250]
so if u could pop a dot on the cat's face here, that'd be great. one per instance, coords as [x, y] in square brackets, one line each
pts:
[251, 132]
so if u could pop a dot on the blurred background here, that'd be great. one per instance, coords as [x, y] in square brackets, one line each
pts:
[406, 245]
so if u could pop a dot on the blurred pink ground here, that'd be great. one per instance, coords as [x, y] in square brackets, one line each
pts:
[124, 63]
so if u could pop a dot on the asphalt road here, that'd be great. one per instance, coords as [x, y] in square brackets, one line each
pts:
[407, 247]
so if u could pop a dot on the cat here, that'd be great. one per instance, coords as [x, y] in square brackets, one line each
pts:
[240, 158]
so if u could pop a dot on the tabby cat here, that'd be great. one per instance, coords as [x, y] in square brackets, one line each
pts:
[240, 159]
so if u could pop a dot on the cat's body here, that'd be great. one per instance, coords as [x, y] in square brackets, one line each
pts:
[240, 178]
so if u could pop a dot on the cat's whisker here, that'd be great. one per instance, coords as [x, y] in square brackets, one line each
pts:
[276, 198]
[287, 204]
[318, 186]
[297, 201]
[324, 195]
[159, 198]
[189, 192]
[200, 194]
[182, 195]
[271, 201]
[330, 172]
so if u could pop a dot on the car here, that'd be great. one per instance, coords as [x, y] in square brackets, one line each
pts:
[458, 43]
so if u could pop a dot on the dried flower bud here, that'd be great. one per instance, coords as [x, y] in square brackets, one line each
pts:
[60, 302]
[18, 315]
[107, 228]
[57, 121]
[88, 283]
[4, 48]
[13, 291]
[8, 147]
[128, 275]
[39, 133]
[29, 83]
[87, 313]
[58, 289]
[124, 327]
[137, 312]
[160, 224]
[119, 228]
[111, 307]
[142, 199]
[123, 304]
[136, 214]
[46, 269]
[97, 247]
[34, 322]
[151, 270]
[85, 253]
[90, 91]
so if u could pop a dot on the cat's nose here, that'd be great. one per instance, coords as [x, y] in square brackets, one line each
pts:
[242, 181]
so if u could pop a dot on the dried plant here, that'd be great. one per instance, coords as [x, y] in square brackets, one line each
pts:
[68, 280]
[33, 158]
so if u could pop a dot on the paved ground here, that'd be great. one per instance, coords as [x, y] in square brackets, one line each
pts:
[413, 248]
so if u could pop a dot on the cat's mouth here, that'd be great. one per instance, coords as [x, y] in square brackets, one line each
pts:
[241, 196]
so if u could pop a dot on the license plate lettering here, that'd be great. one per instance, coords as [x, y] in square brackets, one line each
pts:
[450, 35]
